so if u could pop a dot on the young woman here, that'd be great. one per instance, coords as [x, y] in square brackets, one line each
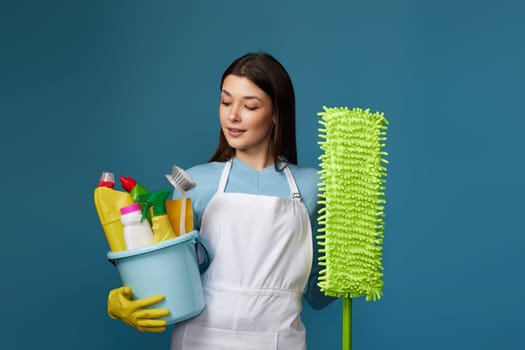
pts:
[256, 211]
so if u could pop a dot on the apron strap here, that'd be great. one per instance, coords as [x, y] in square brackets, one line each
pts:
[294, 194]
[224, 176]
[291, 182]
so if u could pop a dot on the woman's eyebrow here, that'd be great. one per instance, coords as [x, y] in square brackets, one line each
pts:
[253, 98]
[248, 97]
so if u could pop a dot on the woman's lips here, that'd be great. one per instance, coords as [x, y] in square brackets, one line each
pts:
[234, 132]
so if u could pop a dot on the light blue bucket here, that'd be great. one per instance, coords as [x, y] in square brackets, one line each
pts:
[169, 268]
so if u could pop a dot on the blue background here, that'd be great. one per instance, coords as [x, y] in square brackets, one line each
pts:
[132, 87]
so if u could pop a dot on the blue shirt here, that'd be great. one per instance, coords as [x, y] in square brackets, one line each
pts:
[269, 182]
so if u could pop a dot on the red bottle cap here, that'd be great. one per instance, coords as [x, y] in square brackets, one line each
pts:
[106, 180]
[127, 183]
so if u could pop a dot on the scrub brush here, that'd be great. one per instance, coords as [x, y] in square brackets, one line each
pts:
[183, 183]
[351, 192]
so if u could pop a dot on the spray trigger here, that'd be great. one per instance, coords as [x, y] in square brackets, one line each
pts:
[145, 211]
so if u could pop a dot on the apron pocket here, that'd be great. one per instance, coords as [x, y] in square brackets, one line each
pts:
[204, 338]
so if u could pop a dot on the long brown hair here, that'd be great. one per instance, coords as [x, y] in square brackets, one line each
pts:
[271, 77]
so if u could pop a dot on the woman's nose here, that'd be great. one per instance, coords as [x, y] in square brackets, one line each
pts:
[234, 114]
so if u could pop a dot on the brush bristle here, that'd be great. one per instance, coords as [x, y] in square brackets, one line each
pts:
[352, 196]
[180, 179]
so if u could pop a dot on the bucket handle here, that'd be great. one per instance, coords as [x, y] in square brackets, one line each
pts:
[202, 251]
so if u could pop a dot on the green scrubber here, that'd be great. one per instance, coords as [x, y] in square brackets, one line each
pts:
[352, 195]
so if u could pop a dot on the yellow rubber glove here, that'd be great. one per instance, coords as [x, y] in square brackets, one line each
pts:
[134, 312]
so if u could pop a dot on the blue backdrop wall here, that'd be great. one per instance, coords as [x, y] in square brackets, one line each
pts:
[132, 87]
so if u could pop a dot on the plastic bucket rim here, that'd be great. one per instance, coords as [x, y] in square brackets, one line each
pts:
[153, 247]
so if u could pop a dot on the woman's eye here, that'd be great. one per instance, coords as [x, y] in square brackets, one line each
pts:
[251, 108]
[226, 103]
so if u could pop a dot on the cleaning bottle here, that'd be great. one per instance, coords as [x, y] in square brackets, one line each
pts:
[135, 189]
[137, 232]
[181, 219]
[162, 230]
[180, 215]
[108, 201]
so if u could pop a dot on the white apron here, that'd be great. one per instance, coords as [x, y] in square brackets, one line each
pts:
[261, 248]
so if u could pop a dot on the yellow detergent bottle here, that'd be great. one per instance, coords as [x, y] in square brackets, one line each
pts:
[160, 223]
[174, 208]
[108, 202]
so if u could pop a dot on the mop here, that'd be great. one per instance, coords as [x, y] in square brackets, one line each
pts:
[351, 193]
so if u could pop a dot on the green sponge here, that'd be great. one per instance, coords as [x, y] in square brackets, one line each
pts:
[352, 197]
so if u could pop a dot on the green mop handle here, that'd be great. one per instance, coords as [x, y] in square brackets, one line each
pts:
[347, 323]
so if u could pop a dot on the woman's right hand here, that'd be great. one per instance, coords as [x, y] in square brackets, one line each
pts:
[135, 312]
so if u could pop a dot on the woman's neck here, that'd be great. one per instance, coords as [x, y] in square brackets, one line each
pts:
[257, 162]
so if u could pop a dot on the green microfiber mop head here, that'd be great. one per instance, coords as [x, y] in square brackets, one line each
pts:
[352, 195]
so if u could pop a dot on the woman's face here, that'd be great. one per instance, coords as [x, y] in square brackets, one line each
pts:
[246, 116]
